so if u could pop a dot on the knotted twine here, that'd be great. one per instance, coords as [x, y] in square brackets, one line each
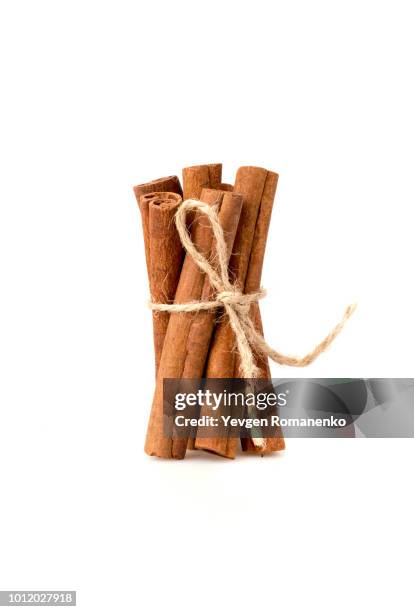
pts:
[235, 303]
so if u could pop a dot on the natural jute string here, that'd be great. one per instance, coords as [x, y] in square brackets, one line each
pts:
[235, 303]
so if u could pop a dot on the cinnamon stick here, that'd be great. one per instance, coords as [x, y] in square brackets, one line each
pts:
[167, 183]
[164, 256]
[188, 334]
[196, 178]
[252, 284]
[256, 185]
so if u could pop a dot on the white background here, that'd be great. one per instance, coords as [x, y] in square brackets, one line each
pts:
[98, 96]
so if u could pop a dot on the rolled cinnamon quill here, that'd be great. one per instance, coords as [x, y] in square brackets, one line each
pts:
[196, 178]
[167, 183]
[163, 252]
[258, 187]
[188, 334]
[252, 284]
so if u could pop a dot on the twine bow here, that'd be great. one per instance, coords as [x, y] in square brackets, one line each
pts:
[235, 303]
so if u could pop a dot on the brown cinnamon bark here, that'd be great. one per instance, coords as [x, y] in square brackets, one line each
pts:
[257, 186]
[196, 178]
[225, 187]
[252, 284]
[167, 183]
[164, 256]
[188, 334]
[202, 328]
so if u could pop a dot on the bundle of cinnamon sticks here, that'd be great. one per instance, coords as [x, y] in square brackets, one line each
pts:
[195, 345]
